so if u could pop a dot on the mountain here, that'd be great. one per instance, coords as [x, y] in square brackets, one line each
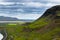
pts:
[50, 16]
[2, 18]
[48, 25]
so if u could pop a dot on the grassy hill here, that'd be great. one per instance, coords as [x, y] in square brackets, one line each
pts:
[47, 27]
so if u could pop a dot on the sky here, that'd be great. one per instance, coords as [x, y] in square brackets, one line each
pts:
[26, 9]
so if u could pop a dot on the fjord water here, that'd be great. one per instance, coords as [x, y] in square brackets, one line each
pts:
[1, 36]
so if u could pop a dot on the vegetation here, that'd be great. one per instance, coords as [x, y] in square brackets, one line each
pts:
[45, 28]
[58, 13]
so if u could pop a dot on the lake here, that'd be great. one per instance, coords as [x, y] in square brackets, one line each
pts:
[1, 36]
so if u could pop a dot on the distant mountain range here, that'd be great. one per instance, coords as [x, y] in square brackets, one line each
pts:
[2, 18]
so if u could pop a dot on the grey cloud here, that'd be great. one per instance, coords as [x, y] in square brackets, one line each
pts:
[17, 0]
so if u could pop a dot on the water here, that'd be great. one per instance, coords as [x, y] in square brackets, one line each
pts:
[14, 21]
[1, 36]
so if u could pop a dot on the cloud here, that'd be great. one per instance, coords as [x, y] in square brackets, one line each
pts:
[51, 4]
[56, 1]
[33, 4]
[7, 3]
[20, 10]
[26, 7]
[17, 0]
[23, 16]
[39, 4]
[1, 0]
[30, 4]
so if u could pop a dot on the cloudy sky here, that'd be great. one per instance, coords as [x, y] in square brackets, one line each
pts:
[25, 9]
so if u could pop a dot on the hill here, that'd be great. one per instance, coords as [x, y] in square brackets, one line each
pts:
[2, 18]
[49, 17]
[47, 27]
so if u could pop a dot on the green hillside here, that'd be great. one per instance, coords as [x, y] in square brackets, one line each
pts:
[47, 27]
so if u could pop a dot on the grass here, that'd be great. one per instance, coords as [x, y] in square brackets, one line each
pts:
[25, 32]
[16, 32]
[58, 13]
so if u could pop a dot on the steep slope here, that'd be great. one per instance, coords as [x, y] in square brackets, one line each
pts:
[47, 18]
[48, 25]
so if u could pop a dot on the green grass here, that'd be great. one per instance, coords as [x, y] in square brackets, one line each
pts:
[19, 34]
[58, 13]
[40, 23]
[18, 31]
